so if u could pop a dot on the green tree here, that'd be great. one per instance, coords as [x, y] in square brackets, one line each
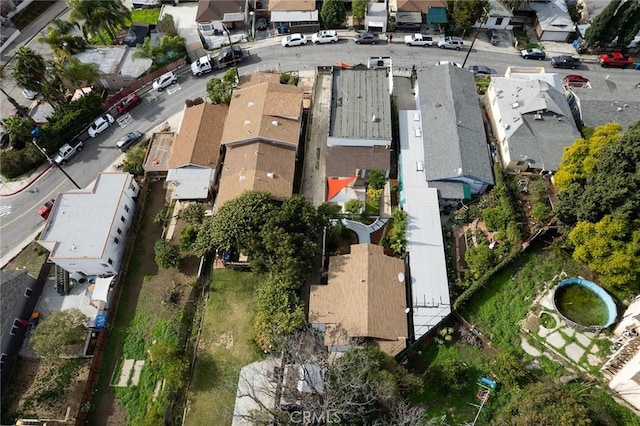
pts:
[359, 9]
[193, 214]
[508, 369]
[134, 161]
[165, 359]
[543, 404]
[62, 43]
[480, 260]
[204, 244]
[80, 74]
[449, 375]
[219, 91]
[333, 13]
[188, 237]
[60, 334]
[398, 237]
[353, 207]
[628, 23]
[19, 130]
[603, 27]
[166, 254]
[466, 13]
[29, 70]
[377, 179]
[167, 25]
[97, 15]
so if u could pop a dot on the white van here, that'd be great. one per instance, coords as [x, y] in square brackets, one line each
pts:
[450, 43]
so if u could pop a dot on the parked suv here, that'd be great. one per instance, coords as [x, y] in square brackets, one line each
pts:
[450, 43]
[164, 81]
[565, 61]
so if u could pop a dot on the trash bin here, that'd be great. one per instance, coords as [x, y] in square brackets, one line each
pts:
[282, 30]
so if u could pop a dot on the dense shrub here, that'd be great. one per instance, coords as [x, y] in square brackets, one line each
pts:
[14, 163]
[167, 255]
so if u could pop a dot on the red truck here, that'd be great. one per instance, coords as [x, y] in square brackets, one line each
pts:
[615, 59]
[45, 209]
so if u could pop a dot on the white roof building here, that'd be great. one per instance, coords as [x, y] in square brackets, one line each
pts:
[86, 231]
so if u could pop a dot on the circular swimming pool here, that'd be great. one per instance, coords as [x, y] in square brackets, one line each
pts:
[584, 304]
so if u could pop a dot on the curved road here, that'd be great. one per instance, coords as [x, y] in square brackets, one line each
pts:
[20, 224]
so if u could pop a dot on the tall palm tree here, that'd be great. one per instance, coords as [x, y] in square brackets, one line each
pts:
[19, 130]
[62, 43]
[99, 14]
[80, 74]
[82, 10]
[29, 69]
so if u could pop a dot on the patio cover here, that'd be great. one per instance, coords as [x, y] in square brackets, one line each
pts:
[437, 15]
[191, 183]
[101, 289]
[409, 17]
[336, 185]
[294, 16]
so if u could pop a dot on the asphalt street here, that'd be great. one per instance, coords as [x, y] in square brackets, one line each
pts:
[20, 223]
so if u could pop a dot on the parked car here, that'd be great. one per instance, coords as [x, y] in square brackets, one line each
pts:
[409, 27]
[493, 35]
[164, 81]
[128, 102]
[450, 43]
[533, 54]
[481, 70]
[575, 80]
[418, 40]
[324, 36]
[129, 139]
[455, 64]
[615, 59]
[45, 210]
[565, 61]
[101, 124]
[366, 38]
[261, 24]
[296, 39]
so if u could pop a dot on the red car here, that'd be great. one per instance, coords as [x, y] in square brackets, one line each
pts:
[128, 102]
[575, 80]
[45, 210]
[615, 59]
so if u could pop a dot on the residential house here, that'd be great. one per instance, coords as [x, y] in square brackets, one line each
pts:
[532, 123]
[457, 159]
[499, 17]
[359, 138]
[19, 293]
[294, 15]
[156, 160]
[552, 22]
[364, 301]
[419, 11]
[260, 138]
[116, 64]
[214, 17]
[427, 281]
[86, 231]
[622, 369]
[375, 17]
[194, 156]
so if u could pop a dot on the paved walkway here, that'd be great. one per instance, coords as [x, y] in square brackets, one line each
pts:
[364, 231]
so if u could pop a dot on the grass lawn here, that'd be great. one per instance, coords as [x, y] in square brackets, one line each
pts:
[226, 345]
[148, 16]
[31, 258]
[498, 309]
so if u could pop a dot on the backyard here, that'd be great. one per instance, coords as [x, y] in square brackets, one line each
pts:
[225, 346]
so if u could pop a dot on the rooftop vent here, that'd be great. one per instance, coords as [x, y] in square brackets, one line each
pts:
[249, 104]
[420, 166]
[275, 123]
[537, 116]
[515, 105]
[247, 122]
[271, 175]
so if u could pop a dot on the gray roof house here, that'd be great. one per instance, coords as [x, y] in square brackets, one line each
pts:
[457, 161]
[532, 122]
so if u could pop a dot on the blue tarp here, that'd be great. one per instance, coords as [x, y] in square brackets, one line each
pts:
[437, 15]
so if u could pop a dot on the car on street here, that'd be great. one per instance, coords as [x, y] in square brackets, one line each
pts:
[366, 38]
[450, 43]
[45, 210]
[481, 70]
[575, 80]
[128, 102]
[418, 40]
[261, 24]
[101, 124]
[455, 64]
[533, 54]
[324, 36]
[296, 39]
[565, 61]
[164, 81]
[129, 139]
[67, 152]
[615, 59]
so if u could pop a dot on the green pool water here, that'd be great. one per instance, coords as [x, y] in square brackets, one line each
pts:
[581, 305]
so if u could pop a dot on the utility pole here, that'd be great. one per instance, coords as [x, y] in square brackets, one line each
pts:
[44, 152]
[484, 19]
[233, 53]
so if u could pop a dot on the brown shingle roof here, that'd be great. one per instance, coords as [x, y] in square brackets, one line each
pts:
[257, 166]
[364, 295]
[419, 5]
[262, 107]
[342, 161]
[285, 5]
[157, 156]
[214, 10]
[198, 141]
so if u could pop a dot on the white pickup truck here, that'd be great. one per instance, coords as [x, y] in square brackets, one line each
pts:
[66, 152]
[226, 58]
[418, 40]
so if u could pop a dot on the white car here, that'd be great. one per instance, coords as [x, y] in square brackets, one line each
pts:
[100, 125]
[455, 64]
[294, 40]
[418, 40]
[164, 81]
[324, 36]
